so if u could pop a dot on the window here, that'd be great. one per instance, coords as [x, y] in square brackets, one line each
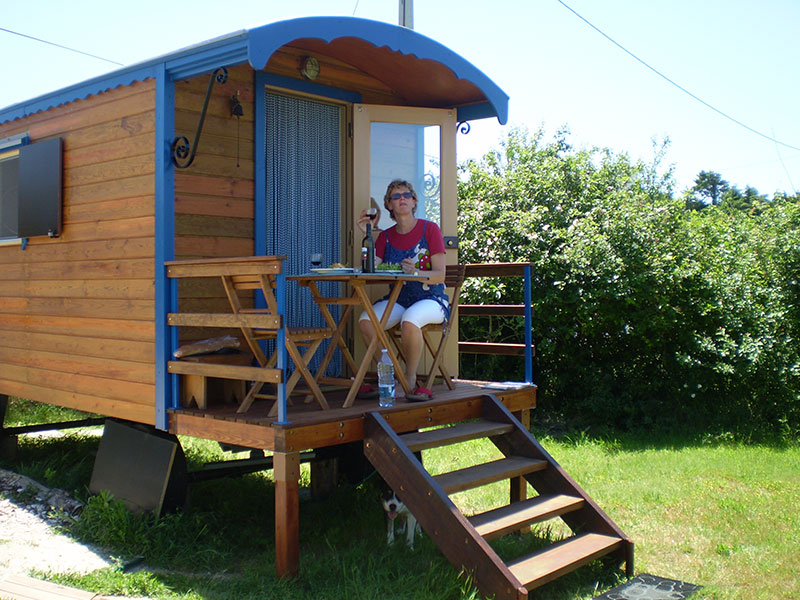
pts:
[9, 176]
[30, 188]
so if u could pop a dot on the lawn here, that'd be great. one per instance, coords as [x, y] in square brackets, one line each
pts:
[705, 510]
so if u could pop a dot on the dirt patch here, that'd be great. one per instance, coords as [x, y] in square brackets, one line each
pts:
[30, 515]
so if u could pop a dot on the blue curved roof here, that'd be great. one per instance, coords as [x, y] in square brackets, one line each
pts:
[265, 40]
[373, 44]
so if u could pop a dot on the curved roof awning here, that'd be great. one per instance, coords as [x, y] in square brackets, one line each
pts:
[422, 71]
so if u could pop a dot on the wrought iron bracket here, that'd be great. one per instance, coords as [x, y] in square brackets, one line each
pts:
[463, 127]
[183, 153]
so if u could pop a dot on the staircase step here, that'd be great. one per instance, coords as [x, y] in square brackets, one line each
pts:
[483, 474]
[507, 519]
[444, 436]
[562, 557]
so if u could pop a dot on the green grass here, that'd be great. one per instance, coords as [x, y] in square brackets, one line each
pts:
[716, 513]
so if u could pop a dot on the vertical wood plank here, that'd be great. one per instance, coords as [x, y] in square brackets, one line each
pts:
[519, 486]
[286, 469]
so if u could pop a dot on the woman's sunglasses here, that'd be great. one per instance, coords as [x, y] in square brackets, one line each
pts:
[398, 195]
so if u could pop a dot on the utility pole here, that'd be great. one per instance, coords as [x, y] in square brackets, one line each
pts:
[406, 13]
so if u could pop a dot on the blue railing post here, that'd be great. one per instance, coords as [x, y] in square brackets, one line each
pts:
[174, 400]
[280, 347]
[528, 325]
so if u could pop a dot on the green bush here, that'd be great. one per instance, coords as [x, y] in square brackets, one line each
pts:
[645, 313]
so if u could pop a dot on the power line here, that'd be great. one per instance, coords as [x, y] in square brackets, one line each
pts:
[681, 88]
[30, 37]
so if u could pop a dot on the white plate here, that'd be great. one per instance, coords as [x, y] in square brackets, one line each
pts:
[333, 270]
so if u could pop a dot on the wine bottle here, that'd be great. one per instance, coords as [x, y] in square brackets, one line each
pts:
[368, 251]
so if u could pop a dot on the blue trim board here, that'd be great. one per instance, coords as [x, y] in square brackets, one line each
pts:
[300, 85]
[78, 91]
[165, 290]
[260, 159]
[14, 141]
[472, 112]
[223, 52]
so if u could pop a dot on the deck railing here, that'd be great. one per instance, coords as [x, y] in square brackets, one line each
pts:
[524, 348]
[232, 269]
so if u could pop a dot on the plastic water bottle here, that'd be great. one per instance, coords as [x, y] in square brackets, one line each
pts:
[385, 380]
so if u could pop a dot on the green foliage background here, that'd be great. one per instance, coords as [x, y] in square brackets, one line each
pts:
[646, 312]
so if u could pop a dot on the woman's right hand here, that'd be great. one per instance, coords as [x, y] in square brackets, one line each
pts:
[364, 218]
[362, 221]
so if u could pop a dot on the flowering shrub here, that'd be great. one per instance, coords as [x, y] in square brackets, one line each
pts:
[645, 313]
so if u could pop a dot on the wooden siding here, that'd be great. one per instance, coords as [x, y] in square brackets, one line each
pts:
[77, 312]
[214, 197]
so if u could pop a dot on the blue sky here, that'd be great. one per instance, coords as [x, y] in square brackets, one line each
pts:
[739, 56]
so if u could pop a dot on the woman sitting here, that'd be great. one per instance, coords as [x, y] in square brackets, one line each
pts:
[417, 246]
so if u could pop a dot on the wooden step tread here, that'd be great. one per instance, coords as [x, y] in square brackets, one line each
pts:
[507, 519]
[21, 587]
[444, 436]
[563, 557]
[483, 474]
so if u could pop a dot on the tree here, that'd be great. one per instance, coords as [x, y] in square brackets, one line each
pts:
[710, 186]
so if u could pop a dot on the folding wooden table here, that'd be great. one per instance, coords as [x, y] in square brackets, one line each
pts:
[357, 284]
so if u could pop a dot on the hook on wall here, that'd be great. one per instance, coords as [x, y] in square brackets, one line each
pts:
[236, 107]
[181, 149]
[237, 111]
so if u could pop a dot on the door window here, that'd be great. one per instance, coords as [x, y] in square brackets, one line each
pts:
[411, 152]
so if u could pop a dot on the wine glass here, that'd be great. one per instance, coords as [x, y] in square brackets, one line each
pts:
[372, 213]
[316, 260]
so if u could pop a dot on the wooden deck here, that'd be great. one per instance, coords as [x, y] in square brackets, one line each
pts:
[310, 428]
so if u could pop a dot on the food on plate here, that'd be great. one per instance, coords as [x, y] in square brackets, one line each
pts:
[388, 267]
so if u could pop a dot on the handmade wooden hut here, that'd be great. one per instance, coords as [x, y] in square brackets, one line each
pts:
[266, 142]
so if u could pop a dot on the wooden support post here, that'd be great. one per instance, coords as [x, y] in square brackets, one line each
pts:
[286, 469]
[8, 443]
[519, 486]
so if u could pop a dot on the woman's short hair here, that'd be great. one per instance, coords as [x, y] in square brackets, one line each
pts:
[387, 199]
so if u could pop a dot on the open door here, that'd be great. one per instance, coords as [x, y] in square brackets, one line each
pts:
[416, 144]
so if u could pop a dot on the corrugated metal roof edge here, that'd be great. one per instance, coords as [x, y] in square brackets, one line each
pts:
[257, 45]
[192, 60]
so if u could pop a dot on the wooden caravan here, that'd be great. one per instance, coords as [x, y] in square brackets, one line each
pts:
[175, 200]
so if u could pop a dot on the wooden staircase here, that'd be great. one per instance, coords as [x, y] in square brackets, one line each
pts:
[464, 540]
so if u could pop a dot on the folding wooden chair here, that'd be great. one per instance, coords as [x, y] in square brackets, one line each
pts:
[453, 280]
[296, 337]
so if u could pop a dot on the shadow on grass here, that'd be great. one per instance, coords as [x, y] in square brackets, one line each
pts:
[221, 545]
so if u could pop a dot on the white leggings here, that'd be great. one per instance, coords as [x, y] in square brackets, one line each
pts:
[421, 313]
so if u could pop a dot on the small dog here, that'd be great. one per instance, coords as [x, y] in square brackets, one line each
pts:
[395, 508]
